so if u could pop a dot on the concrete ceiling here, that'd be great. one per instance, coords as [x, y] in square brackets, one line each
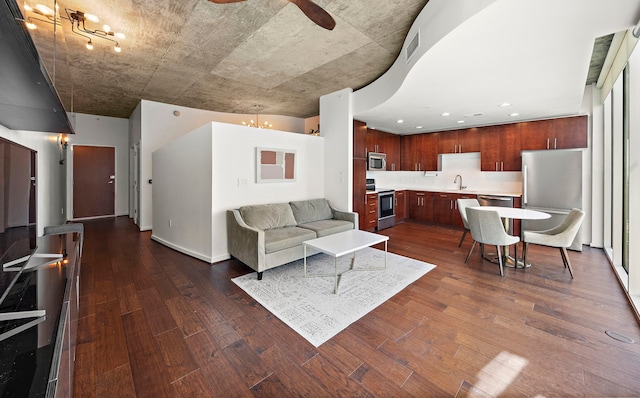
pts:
[266, 56]
[254, 55]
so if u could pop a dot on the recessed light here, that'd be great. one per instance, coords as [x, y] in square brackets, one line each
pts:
[460, 121]
[399, 121]
[514, 114]
[419, 127]
[504, 105]
[445, 114]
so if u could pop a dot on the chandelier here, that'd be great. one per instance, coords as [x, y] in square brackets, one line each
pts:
[78, 21]
[256, 123]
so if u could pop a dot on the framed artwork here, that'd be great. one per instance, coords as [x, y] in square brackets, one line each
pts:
[275, 165]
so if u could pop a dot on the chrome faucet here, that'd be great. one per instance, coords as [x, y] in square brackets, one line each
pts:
[460, 187]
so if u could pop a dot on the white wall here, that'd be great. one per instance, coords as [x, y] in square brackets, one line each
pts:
[311, 123]
[160, 125]
[50, 190]
[336, 125]
[232, 184]
[182, 193]
[597, 170]
[102, 131]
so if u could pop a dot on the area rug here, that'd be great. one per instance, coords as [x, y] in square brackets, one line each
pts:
[309, 305]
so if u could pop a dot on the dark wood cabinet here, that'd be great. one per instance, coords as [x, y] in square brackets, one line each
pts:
[392, 149]
[563, 133]
[420, 206]
[408, 152]
[359, 190]
[469, 140]
[401, 206]
[420, 152]
[500, 148]
[445, 208]
[360, 171]
[359, 140]
[459, 141]
[387, 143]
[570, 132]
[371, 216]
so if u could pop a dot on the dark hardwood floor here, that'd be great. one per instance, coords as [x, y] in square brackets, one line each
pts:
[157, 323]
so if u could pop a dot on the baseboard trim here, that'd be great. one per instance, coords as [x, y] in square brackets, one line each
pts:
[181, 249]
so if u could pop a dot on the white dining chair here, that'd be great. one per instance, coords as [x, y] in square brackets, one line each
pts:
[487, 228]
[462, 207]
[561, 237]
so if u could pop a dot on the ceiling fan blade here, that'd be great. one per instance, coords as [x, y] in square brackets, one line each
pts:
[225, 1]
[315, 13]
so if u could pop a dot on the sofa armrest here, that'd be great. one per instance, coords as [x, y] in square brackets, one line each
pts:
[244, 242]
[346, 216]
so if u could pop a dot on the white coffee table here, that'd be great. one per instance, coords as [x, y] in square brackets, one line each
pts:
[343, 243]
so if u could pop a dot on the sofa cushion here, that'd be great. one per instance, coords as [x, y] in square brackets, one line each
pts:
[306, 211]
[284, 238]
[268, 216]
[328, 227]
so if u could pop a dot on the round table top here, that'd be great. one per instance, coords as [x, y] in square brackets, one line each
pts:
[516, 212]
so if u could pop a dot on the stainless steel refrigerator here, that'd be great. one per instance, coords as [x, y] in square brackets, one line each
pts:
[552, 183]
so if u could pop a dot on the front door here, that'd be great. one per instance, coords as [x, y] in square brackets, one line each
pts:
[93, 181]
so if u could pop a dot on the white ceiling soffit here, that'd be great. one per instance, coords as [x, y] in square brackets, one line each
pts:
[533, 54]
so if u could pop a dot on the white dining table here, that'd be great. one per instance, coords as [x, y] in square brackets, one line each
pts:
[508, 213]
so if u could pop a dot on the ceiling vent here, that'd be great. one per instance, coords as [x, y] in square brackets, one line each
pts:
[413, 45]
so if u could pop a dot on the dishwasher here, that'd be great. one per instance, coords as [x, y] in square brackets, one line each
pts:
[495, 200]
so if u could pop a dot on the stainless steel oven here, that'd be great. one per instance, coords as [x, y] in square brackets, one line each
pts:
[386, 209]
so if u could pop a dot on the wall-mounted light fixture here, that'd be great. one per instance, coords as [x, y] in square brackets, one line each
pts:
[63, 144]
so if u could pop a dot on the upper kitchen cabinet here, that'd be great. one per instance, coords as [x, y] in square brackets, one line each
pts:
[459, 141]
[500, 147]
[419, 152]
[359, 139]
[570, 132]
[563, 133]
[387, 143]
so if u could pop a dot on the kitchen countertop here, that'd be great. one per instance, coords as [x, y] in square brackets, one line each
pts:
[463, 191]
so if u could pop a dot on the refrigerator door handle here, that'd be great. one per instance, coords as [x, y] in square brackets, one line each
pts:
[524, 184]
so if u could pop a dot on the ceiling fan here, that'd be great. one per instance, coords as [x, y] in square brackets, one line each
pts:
[313, 11]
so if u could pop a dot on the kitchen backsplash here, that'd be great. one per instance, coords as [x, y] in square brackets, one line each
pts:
[465, 164]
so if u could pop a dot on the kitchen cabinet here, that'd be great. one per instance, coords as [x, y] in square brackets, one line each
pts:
[420, 152]
[371, 216]
[359, 171]
[445, 208]
[359, 140]
[562, 133]
[500, 148]
[401, 206]
[420, 206]
[359, 190]
[387, 143]
[459, 141]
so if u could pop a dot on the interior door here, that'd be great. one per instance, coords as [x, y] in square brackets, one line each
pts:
[93, 181]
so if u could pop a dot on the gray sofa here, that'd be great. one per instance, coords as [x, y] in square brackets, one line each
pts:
[269, 235]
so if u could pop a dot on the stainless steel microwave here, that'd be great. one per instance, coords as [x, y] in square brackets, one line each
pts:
[376, 161]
